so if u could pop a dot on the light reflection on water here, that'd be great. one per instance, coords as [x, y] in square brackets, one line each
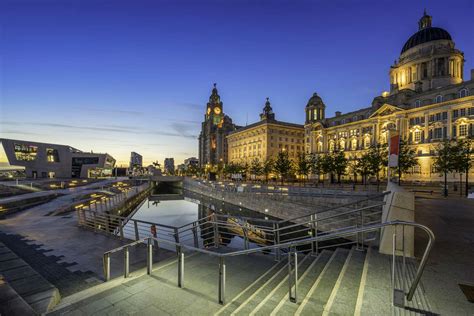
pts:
[174, 213]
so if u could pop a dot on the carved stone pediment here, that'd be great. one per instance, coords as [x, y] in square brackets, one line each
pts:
[385, 110]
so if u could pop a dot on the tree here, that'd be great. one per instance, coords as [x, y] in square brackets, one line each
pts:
[364, 167]
[327, 166]
[283, 165]
[444, 162]
[303, 165]
[340, 164]
[268, 167]
[377, 157]
[256, 167]
[316, 165]
[462, 160]
[406, 160]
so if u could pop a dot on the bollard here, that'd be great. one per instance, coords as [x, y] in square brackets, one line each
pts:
[106, 263]
[126, 259]
[149, 257]
[221, 280]
[180, 267]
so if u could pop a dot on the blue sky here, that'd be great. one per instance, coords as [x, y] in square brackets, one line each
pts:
[121, 76]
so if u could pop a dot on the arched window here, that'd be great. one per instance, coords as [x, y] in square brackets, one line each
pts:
[417, 103]
[439, 99]
[342, 144]
[320, 146]
[463, 93]
[331, 146]
[367, 142]
[354, 144]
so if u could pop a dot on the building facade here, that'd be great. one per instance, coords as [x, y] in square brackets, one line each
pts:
[264, 139]
[42, 160]
[136, 160]
[169, 166]
[429, 101]
[214, 129]
[191, 161]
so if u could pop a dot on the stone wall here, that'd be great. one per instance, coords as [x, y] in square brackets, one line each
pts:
[284, 205]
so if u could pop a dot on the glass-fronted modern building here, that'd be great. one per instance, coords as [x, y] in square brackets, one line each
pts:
[42, 160]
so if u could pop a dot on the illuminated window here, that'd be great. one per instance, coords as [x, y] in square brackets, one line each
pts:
[463, 130]
[342, 144]
[331, 146]
[52, 155]
[367, 142]
[25, 152]
[354, 144]
[417, 136]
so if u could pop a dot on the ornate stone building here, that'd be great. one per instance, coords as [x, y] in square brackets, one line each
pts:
[429, 101]
[214, 129]
[265, 139]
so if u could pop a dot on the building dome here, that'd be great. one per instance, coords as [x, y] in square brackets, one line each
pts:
[315, 101]
[426, 35]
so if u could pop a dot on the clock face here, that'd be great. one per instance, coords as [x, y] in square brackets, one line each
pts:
[217, 111]
[208, 111]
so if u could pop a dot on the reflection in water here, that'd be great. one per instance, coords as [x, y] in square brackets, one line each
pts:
[179, 210]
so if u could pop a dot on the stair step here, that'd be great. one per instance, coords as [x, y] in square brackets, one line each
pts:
[251, 289]
[285, 307]
[315, 300]
[376, 291]
[343, 299]
[253, 301]
[280, 293]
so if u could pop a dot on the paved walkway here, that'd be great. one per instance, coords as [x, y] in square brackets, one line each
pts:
[79, 249]
[452, 259]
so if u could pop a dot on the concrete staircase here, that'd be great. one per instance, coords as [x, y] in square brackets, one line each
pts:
[340, 281]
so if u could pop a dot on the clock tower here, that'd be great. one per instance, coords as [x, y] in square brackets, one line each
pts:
[214, 129]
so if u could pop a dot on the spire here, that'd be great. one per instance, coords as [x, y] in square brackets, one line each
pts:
[267, 113]
[425, 21]
[214, 98]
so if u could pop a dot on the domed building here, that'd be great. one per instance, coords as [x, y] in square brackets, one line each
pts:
[428, 102]
[428, 60]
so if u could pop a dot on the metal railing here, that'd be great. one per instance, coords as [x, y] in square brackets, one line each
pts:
[291, 248]
[217, 230]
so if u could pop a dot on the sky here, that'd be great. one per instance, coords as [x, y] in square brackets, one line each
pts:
[121, 76]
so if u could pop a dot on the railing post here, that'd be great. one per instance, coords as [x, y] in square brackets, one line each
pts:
[95, 221]
[121, 228]
[246, 238]
[277, 241]
[176, 238]
[180, 267]
[126, 261]
[394, 244]
[216, 232]
[137, 234]
[149, 257]
[222, 280]
[107, 220]
[195, 235]
[359, 223]
[314, 233]
[293, 275]
[106, 262]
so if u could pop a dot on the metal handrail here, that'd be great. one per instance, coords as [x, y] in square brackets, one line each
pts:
[317, 219]
[292, 245]
[336, 207]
